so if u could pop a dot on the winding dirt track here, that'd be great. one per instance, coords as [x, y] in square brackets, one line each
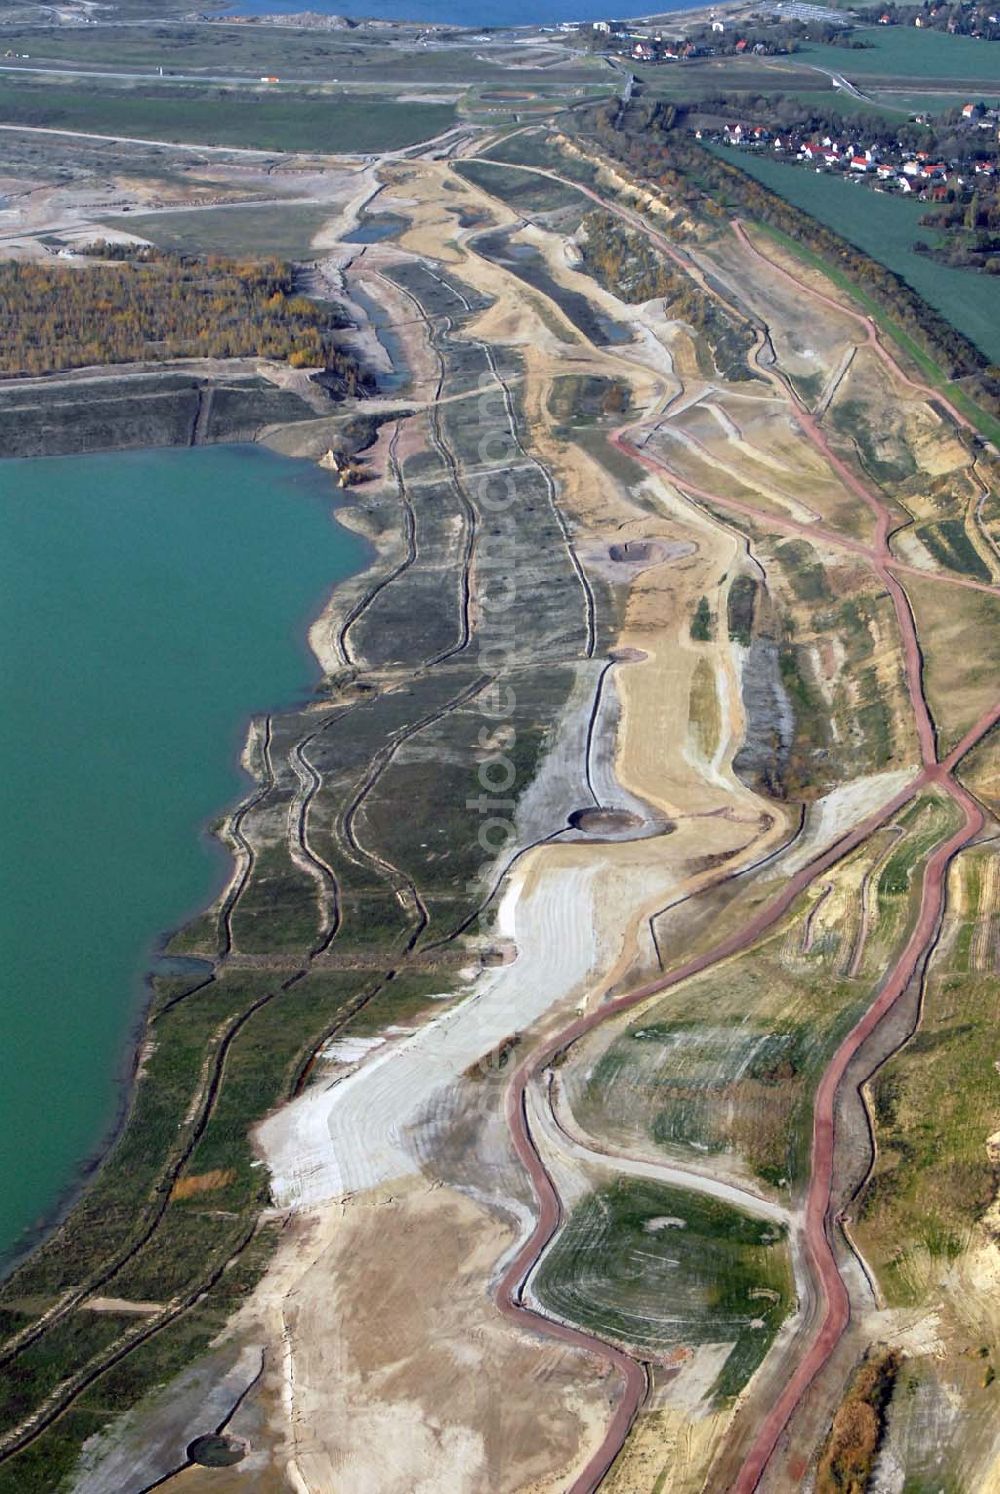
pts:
[832, 1294]
[866, 322]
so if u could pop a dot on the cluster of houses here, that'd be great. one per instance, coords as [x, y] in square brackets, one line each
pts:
[644, 46]
[892, 168]
[976, 18]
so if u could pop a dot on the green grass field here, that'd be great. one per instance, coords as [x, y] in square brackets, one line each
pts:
[885, 227]
[655, 1267]
[724, 74]
[289, 53]
[521, 190]
[285, 231]
[922, 101]
[326, 123]
[905, 52]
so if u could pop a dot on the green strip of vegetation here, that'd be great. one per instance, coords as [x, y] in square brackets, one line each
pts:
[701, 622]
[740, 609]
[949, 543]
[300, 120]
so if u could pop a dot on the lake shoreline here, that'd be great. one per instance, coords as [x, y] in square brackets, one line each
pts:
[210, 836]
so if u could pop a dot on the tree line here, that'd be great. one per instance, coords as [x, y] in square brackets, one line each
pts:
[713, 188]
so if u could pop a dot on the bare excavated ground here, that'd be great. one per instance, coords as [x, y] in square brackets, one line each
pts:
[333, 1357]
[391, 1383]
[710, 691]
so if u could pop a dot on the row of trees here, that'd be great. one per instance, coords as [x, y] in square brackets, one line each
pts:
[971, 230]
[714, 187]
[55, 317]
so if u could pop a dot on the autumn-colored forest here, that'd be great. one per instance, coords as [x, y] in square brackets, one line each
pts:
[55, 317]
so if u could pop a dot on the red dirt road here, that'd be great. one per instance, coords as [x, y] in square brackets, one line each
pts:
[512, 1283]
[866, 322]
[837, 1308]
[832, 1293]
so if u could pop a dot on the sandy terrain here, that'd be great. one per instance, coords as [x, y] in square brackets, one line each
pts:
[389, 1390]
[353, 1136]
[390, 1368]
[352, 1147]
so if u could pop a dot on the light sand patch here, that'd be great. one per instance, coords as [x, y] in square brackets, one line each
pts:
[333, 1141]
[832, 816]
[389, 1386]
[122, 1304]
[350, 1049]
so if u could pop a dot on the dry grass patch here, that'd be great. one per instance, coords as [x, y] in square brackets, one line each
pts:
[936, 1104]
[704, 717]
[960, 636]
[203, 1182]
[848, 1457]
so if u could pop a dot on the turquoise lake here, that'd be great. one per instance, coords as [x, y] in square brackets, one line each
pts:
[150, 602]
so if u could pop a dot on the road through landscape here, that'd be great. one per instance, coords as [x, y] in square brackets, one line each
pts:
[833, 1296]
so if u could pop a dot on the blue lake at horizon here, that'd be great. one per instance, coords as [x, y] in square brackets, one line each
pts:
[476, 16]
[150, 603]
